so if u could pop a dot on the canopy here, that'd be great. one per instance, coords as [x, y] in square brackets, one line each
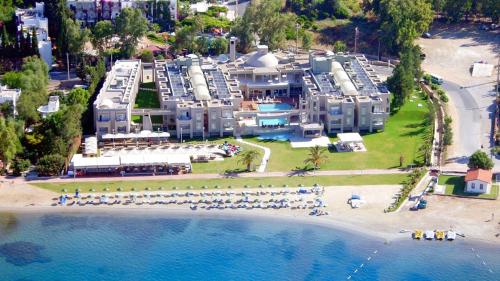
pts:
[141, 134]
[349, 137]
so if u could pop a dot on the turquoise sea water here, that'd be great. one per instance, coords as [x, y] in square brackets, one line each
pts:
[159, 247]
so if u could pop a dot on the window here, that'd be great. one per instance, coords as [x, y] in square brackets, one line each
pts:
[198, 116]
[348, 120]
[363, 111]
[363, 120]
[473, 185]
[481, 186]
[214, 126]
[103, 130]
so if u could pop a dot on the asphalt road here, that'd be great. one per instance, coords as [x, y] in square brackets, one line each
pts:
[470, 121]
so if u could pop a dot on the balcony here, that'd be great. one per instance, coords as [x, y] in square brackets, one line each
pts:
[184, 118]
[335, 112]
[104, 119]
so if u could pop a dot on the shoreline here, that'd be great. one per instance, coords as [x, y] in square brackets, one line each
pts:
[469, 217]
[324, 221]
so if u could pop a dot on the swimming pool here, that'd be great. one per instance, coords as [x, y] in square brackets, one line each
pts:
[275, 136]
[272, 122]
[274, 107]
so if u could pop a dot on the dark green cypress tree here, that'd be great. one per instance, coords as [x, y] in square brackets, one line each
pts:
[34, 43]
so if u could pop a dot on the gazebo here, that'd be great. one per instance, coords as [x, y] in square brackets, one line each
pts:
[350, 142]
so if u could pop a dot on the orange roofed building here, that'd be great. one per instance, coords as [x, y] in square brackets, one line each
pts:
[478, 181]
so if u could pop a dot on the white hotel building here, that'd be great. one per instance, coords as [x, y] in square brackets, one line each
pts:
[254, 94]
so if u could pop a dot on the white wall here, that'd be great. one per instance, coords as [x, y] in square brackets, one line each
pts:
[475, 187]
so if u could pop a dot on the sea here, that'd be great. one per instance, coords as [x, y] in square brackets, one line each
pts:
[92, 246]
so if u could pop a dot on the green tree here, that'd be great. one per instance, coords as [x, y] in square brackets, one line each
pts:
[242, 29]
[20, 165]
[76, 36]
[101, 35]
[147, 56]
[9, 141]
[402, 81]
[316, 156]
[131, 25]
[307, 39]
[34, 43]
[456, 9]
[7, 10]
[247, 158]
[402, 21]
[50, 165]
[33, 80]
[219, 46]
[202, 45]
[339, 46]
[78, 96]
[480, 160]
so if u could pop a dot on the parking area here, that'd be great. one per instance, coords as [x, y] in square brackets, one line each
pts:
[450, 54]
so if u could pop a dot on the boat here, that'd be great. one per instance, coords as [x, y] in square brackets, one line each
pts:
[451, 235]
[439, 234]
[429, 234]
[418, 234]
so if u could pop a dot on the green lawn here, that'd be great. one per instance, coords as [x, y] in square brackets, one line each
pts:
[455, 186]
[147, 99]
[128, 183]
[156, 119]
[228, 165]
[403, 135]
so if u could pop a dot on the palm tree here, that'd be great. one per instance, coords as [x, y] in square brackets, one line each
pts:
[316, 156]
[247, 157]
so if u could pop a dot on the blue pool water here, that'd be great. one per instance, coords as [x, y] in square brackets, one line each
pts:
[158, 247]
[272, 122]
[275, 136]
[274, 107]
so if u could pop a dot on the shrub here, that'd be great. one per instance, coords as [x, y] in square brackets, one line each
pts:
[50, 165]
[20, 165]
[444, 98]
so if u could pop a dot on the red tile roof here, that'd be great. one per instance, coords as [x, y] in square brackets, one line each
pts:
[479, 174]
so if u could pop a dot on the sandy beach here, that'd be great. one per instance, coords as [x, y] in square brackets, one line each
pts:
[471, 217]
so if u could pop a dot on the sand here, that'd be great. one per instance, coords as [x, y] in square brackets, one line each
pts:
[471, 217]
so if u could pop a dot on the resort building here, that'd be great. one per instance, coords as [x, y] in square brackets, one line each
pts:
[34, 19]
[478, 181]
[254, 94]
[10, 96]
[114, 103]
[91, 11]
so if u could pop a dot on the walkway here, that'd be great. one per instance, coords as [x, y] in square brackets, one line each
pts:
[265, 158]
[215, 176]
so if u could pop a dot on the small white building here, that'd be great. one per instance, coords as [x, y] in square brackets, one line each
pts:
[478, 181]
[10, 95]
[51, 107]
[34, 19]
